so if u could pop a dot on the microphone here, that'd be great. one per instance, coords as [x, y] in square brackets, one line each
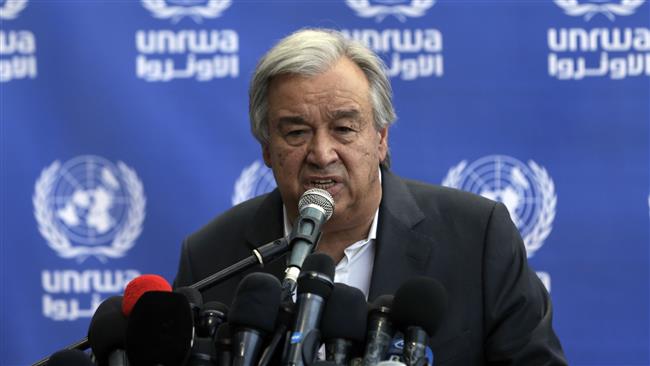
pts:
[212, 315]
[314, 287]
[106, 333]
[418, 310]
[160, 329]
[194, 298]
[380, 330]
[206, 321]
[223, 345]
[252, 315]
[70, 357]
[282, 323]
[203, 353]
[138, 286]
[344, 323]
[315, 207]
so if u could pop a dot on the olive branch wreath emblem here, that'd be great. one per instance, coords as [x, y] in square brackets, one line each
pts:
[160, 9]
[542, 228]
[415, 9]
[245, 184]
[12, 8]
[122, 241]
[610, 10]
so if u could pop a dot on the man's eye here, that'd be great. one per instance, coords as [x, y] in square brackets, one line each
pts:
[344, 129]
[296, 133]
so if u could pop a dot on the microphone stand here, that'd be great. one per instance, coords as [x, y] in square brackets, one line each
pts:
[265, 253]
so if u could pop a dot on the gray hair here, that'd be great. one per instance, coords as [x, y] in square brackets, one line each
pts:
[311, 52]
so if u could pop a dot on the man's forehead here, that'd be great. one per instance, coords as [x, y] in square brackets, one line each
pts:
[286, 117]
[344, 68]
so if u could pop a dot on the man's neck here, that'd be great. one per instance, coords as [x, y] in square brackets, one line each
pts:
[334, 243]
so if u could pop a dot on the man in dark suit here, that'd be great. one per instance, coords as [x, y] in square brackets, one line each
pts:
[320, 106]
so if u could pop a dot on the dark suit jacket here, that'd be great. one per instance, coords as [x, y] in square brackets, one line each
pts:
[499, 312]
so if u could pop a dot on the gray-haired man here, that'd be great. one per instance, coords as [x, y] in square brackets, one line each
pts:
[320, 106]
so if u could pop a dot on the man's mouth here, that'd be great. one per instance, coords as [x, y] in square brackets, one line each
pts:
[323, 183]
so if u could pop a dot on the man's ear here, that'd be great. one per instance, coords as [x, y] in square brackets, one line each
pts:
[266, 154]
[383, 143]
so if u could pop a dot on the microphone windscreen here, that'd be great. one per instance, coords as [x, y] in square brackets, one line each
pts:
[317, 266]
[420, 301]
[107, 329]
[256, 302]
[321, 263]
[215, 306]
[193, 295]
[345, 315]
[160, 329]
[139, 286]
[70, 357]
[110, 305]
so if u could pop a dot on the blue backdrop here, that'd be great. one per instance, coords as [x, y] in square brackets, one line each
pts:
[124, 127]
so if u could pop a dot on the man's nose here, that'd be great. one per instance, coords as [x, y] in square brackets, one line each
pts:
[322, 150]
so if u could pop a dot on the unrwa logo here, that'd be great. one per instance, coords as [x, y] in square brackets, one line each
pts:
[526, 190]
[400, 9]
[589, 9]
[178, 9]
[10, 9]
[89, 207]
[254, 180]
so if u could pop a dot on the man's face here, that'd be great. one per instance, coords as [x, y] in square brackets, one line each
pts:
[321, 135]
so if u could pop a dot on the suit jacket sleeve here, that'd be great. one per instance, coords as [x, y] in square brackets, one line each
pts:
[517, 311]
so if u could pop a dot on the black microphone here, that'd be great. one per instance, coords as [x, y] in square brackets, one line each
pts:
[70, 357]
[223, 345]
[252, 316]
[380, 330]
[106, 333]
[283, 322]
[418, 310]
[315, 207]
[160, 330]
[211, 316]
[344, 323]
[314, 287]
[203, 352]
[194, 298]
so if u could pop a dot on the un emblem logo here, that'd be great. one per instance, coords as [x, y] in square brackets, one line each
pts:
[589, 9]
[10, 9]
[89, 207]
[400, 9]
[254, 180]
[526, 190]
[178, 9]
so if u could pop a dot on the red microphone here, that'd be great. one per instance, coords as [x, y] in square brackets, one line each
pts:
[138, 286]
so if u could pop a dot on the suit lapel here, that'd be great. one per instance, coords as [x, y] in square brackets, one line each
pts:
[267, 226]
[401, 251]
